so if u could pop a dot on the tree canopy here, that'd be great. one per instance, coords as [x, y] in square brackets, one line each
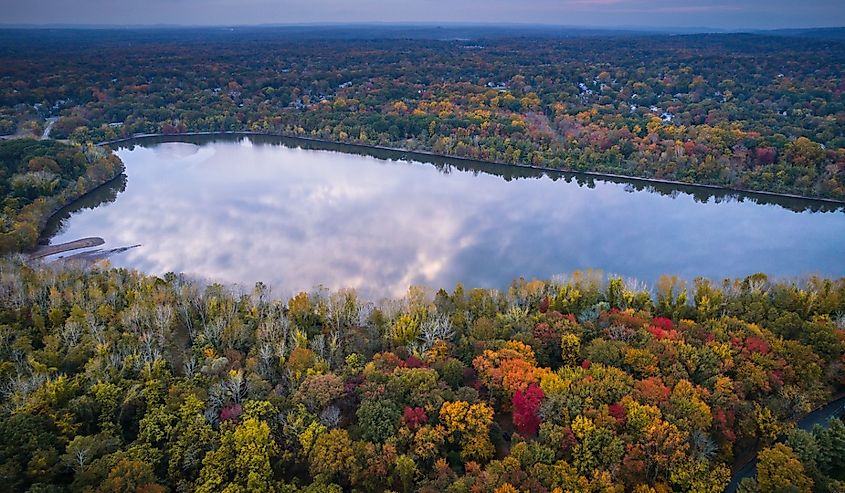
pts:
[119, 381]
[754, 112]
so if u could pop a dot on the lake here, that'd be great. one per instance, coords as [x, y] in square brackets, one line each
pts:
[296, 214]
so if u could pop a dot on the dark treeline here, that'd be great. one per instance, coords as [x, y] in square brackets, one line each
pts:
[748, 111]
[117, 381]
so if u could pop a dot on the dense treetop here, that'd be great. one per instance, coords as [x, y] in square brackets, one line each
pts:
[747, 111]
[117, 381]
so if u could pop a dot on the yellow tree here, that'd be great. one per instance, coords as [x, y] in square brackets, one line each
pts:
[778, 469]
[242, 462]
[570, 349]
[333, 456]
[470, 424]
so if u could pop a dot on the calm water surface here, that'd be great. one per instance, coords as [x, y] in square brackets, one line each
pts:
[240, 210]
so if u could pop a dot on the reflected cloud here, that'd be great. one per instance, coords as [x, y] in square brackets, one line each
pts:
[241, 211]
[175, 150]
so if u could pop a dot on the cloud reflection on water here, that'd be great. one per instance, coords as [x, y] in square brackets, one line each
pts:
[294, 218]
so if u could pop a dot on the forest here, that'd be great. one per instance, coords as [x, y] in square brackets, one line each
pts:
[760, 112]
[37, 178]
[112, 380]
[116, 381]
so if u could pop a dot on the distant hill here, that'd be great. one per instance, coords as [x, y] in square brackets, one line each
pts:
[837, 33]
[444, 31]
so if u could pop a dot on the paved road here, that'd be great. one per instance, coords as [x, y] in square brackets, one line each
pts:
[50, 122]
[820, 416]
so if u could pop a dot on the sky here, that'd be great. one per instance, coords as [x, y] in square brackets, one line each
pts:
[722, 14]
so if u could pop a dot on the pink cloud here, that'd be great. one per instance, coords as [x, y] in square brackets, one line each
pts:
[599, 2]
[696, 8]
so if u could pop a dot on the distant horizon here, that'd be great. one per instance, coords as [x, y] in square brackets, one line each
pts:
[587, 14]
[423, 24]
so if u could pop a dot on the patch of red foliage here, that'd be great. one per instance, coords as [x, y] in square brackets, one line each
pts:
[663, 328]
[755, 344]
[414, 362]
[544, 305]
[231, 413]
[414, 417]
[526, 406]
[630, 320]
[546, 333]
[618, 413]
[723, 422]
[651, 390]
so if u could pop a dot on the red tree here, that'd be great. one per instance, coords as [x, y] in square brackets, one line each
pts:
[231, 413]
[414, 417]
[525, 407]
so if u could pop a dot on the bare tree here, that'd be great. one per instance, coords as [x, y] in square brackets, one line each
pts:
[190, 366]
[70, 333]
[213, 331]
[163, 316]
[97, 330]
[151, 346]
[620, 333]
[330, 417]
[318, 345]
[434, 328]
[12, 289]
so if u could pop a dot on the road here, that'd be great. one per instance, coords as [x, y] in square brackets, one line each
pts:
[50, 122]
[820, 416]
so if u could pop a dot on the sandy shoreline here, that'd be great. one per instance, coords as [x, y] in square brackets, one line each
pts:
[46, 251]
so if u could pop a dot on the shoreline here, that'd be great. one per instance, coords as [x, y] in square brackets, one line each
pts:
[47, 250]
[429, 154]
[834, 205]
[43, 227]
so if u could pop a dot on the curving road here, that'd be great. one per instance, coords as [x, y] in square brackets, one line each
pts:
[833, 409]
[50, 122]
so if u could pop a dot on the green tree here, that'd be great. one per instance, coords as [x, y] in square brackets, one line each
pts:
[779, 470]
[378, 420]
[84, 449]
[242, 462]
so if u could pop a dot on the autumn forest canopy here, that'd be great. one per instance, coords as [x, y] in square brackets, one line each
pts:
[750, 111]
[118, 381]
